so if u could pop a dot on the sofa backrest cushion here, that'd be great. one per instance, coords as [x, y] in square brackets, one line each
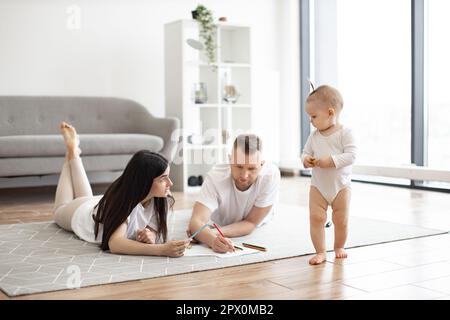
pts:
[25, 115]
[52, 145]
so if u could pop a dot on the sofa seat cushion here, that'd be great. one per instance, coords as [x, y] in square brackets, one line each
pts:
[90, 144]
[41, 166]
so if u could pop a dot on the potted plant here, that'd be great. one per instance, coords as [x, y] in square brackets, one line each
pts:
[207, 31]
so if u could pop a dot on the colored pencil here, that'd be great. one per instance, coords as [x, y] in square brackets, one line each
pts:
[252, 246]
[218, 229]
[198, 231]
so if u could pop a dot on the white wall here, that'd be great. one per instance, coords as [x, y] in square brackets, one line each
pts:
[118, 50]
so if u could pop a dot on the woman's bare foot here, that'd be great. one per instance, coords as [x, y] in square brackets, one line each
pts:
[70, 139]
[318, 258]
[340, 253]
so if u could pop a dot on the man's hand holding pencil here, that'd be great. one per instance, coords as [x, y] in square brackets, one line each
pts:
[222, 244]
[218, 243]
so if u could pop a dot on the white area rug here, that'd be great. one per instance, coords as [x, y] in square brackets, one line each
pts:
[40, 257]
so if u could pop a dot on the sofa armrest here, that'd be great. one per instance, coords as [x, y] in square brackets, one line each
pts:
[166, 128]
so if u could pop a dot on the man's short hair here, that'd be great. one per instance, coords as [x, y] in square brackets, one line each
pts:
[249, 143]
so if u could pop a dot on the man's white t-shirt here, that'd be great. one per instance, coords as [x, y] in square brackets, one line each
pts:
[82, 222]
[228, 204]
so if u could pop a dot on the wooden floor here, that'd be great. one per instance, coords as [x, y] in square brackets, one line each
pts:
[410, 269]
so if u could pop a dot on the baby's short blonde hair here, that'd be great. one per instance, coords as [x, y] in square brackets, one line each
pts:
[329, 95]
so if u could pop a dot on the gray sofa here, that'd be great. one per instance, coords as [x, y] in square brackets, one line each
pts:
[110, 129]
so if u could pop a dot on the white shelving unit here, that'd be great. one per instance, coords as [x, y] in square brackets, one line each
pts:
[215, 119]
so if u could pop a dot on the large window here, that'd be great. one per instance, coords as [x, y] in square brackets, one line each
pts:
[391, 62]
[373, 60]
[438, 87]
[365, 52]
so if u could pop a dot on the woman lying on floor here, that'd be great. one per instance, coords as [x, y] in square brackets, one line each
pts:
[131, 217]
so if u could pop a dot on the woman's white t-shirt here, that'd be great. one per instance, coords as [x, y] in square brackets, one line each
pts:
[83, 223]
[228, 204]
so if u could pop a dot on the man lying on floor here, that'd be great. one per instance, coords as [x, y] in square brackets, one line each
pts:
[239, 196]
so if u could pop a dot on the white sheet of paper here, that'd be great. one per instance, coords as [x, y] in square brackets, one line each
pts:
[203, 250]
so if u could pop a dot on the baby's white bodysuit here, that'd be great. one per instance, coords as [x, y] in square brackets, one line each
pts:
[341, 146]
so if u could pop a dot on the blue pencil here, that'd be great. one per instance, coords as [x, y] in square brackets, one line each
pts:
[198, 231]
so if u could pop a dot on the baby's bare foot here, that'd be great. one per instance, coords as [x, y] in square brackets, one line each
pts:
[70, 138]
[340, 253]
[318, 258]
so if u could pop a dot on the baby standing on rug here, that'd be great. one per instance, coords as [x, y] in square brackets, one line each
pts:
[330, 151]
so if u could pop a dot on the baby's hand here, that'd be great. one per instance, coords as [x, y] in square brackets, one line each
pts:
[324, 163]
[309, 162]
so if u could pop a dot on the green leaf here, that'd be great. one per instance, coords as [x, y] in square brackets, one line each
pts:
[207, 30]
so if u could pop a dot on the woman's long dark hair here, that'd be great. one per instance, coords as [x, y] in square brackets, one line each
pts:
[128, 190]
